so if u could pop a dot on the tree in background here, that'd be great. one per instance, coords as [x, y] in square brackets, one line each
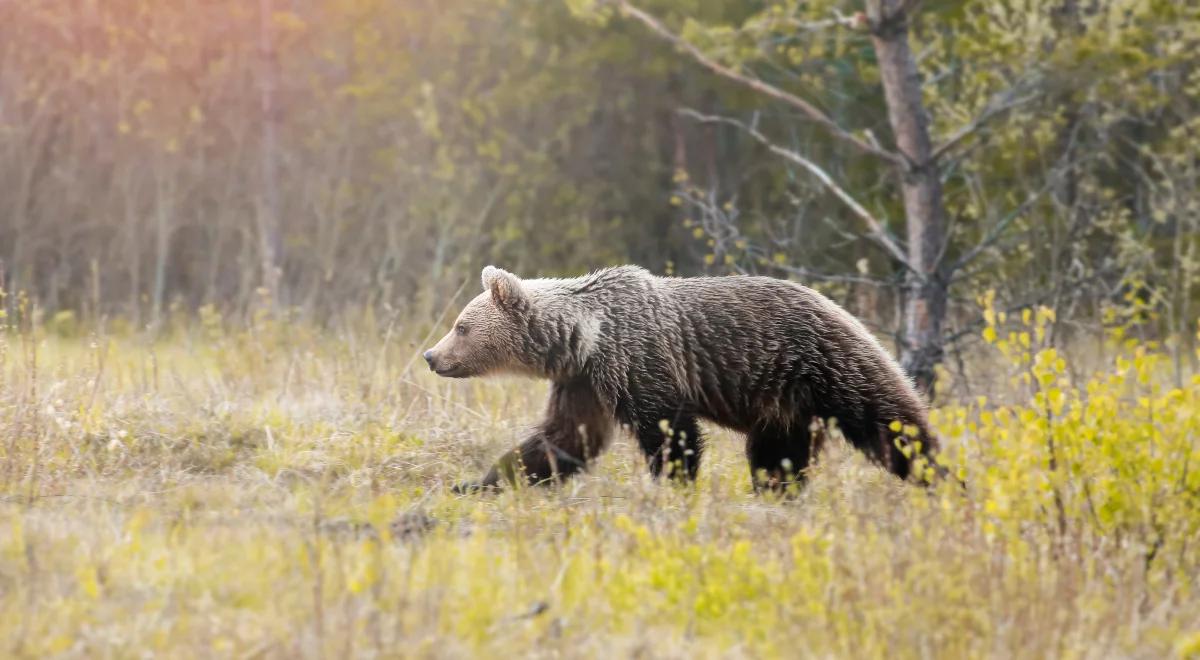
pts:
[1014, 89]
[914, 160]
[907, 157]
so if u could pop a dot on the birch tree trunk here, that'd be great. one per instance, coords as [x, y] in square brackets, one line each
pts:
[927, 287]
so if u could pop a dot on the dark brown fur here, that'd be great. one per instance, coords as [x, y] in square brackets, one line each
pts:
[769, 358]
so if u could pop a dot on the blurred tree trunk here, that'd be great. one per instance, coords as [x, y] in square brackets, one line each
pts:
[927, 286]
[268, 213]
[164, 201]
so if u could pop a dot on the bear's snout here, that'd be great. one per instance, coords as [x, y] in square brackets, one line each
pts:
[443, 365]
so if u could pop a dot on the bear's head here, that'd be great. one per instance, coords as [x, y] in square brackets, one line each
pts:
[495, 333]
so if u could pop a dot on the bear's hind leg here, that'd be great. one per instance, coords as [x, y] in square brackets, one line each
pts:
[672, 441]
[779, 456]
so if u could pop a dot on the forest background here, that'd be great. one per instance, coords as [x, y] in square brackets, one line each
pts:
[229, 228]
[348, 153]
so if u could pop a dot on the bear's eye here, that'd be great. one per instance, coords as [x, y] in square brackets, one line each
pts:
[460, 329]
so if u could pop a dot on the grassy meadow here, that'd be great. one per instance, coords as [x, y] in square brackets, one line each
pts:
[264, 489]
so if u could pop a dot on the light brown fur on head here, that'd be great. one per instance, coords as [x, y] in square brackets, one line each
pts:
[482, 338]
[506, 329]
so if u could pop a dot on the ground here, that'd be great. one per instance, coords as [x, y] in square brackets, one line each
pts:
[265, 489]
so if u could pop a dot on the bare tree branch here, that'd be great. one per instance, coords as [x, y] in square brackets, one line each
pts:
[993, 109]
[719, 221]
[854, 21]
[806, 273]
[877, 231]
[998, 229]
[757, 85]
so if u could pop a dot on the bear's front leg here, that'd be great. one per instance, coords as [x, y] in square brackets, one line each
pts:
[538, 460]
[576, 429]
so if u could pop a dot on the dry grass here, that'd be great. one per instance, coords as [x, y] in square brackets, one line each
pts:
[278, 492]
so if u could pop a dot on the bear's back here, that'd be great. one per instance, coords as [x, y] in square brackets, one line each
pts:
[750, 348]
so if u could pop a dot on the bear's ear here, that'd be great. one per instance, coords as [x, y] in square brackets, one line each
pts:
[506, 288]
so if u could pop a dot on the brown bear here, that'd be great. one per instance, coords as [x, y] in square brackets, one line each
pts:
[768, 358]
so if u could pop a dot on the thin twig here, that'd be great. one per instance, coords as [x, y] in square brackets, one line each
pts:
[801, 271]
[877, 230]
[759, 86]
[999, 228]
[989, 112]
